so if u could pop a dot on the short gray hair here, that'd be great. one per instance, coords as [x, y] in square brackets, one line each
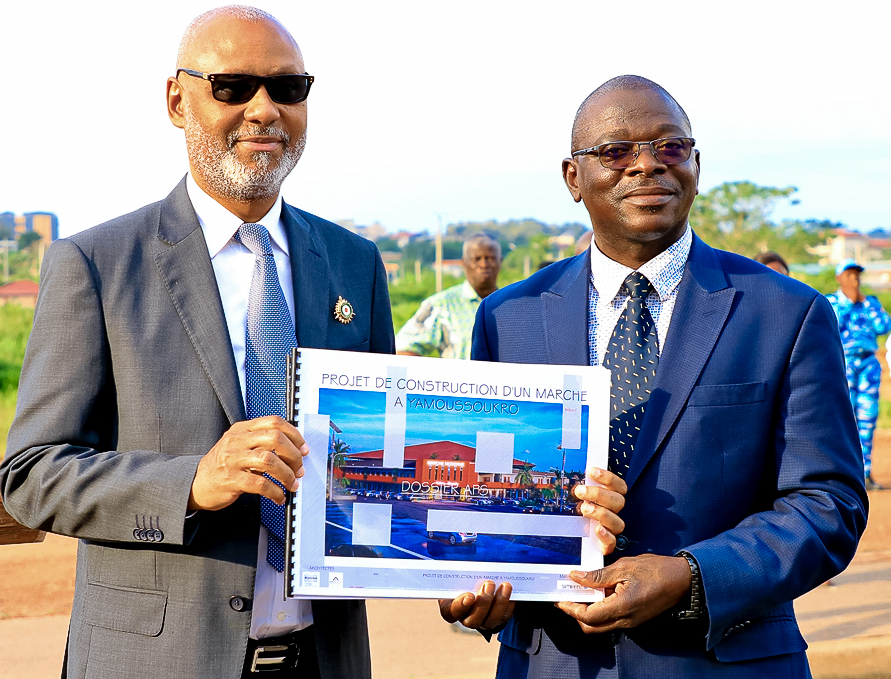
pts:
[480, 237]
[243, 12]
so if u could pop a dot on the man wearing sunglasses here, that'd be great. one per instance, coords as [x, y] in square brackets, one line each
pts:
[734, 481]
[150, 420]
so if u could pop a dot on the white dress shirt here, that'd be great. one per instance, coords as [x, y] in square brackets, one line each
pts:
[607, 297]
[233, 266]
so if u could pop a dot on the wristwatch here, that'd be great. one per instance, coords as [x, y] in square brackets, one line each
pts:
[695, 607]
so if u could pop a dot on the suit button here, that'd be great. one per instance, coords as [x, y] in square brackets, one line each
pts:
[236, 603]
[621, 542]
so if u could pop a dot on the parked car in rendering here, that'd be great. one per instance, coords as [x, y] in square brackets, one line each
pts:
[453, 538]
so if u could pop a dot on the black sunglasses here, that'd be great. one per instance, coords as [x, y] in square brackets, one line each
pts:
[617, 155]
[237, 88]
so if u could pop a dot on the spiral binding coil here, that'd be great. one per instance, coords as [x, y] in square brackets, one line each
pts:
[293, 401]
[292, 409]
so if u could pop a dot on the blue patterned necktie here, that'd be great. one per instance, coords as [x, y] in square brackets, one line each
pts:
[632, 356]
[269, 338]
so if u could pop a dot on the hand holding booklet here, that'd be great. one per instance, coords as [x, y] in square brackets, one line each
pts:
[428, 476]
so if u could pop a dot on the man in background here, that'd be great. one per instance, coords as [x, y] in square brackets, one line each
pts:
[443, 324]
[150, 410]
[772, 260]
[861, 319]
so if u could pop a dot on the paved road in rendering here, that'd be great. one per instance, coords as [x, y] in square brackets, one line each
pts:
[410, 540]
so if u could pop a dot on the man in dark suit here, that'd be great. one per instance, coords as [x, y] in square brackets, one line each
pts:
[147, 423]
[737, 487]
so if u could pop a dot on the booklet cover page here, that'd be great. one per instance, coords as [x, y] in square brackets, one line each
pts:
[427, 476]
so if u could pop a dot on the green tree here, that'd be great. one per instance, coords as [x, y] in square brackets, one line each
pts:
[337, 460]
[735, 216]
[387, 245]
[27, 239]
[524, 478]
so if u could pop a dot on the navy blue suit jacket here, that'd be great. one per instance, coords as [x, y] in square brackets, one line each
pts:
[748, 456]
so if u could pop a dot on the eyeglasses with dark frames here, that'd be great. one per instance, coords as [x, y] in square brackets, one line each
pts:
[617, 155]
[238, 88]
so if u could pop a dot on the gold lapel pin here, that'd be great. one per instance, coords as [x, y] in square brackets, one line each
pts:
[343, 310]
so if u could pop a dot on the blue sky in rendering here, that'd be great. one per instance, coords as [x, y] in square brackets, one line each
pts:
[360, 414]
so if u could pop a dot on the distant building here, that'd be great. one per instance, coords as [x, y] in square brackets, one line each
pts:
[23, 293]
[846, 244]
[45, 224]
[373, 233]
[403, 238]
[453, 267]
[439, 468]
[392, 265]
[867, 249]
[564, 241]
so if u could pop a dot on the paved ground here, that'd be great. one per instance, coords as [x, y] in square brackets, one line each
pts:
[846, 623]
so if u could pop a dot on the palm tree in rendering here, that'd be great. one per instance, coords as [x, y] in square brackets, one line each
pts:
[336, 460]
[524, 477]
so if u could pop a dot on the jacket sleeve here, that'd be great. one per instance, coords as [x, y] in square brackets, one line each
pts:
[479, 350]
[60, 473]
[881, 321]
[818, 513]
[381, 340]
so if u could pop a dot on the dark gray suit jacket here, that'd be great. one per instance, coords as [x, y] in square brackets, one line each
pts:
[129, 379]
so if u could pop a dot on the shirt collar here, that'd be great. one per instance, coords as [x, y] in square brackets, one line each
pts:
[664, 271]
[219, 225]
[468, 292]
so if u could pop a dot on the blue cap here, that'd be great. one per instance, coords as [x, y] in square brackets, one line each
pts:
[846, 264]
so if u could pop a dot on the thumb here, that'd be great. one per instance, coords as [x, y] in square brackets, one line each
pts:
[599, 579]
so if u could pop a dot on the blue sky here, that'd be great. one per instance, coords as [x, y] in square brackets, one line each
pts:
[460, 110]
[360, 414]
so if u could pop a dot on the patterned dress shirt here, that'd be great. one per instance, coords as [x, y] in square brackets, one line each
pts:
[442, 325]
[607, 296]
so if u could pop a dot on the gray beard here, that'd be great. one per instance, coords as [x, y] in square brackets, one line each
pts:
[223, 171]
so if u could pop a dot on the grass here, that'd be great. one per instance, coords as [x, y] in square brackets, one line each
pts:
[7, 411]
[406, 295]
[15, 325]
[884, 411]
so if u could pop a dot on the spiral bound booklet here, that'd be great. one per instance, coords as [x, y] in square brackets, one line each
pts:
[428, 476]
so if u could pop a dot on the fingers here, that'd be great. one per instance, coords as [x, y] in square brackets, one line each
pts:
[604, 536]
[239, 460]
[637, 589]
[489, 608]
[289, 430]
[271, 446]
[604, 488]
[583, 612]
[602, 501]
[601, 616]
[453, 610]
[500, 607]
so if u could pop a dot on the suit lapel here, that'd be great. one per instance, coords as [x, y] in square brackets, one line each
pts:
[703, 304]
[309, 269]
[184, 265]
[564, 315]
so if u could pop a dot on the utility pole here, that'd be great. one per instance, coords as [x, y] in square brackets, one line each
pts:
[438, 267]
[6, 245]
